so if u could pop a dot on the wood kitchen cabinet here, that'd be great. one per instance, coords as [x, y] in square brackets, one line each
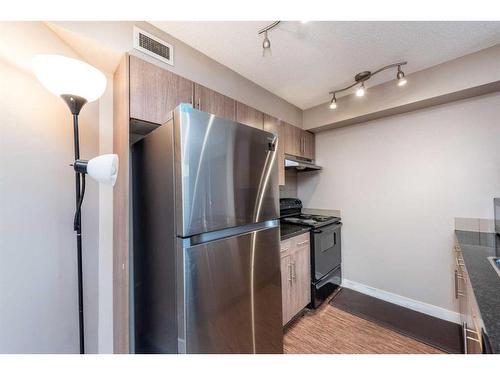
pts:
[299, 142]
[470, 316]
[273, 125]
[249, 116]
[309, 145]
[292, 139]
[295, 275]
[210, 101]
[155, 92]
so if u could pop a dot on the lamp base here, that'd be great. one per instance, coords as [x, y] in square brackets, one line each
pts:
[74, 102]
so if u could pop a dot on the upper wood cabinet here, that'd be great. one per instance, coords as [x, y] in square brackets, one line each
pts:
[155, 92]
[299, 142]
[210, 101]
[309, 145]
[249, 116]
[273, 125]
[292, 139]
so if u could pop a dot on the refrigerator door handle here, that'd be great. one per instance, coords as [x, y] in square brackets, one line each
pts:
[229, 232]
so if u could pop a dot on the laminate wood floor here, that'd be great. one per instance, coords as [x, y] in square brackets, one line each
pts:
[329, 330]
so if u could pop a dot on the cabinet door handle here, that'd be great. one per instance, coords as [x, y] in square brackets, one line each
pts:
[294, 272]
[473, 339]
[199, 104]
[290, 273]
[283, 249]
[302, 243]
[468, 330]
[456, 285]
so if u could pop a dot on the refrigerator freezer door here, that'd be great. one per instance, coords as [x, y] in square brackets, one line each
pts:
[226, 173]
[231, 295]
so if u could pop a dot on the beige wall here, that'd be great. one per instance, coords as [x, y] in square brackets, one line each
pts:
[400, 182]
[188, 62]
[38, 274]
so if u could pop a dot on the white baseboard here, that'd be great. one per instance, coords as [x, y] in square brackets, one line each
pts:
[424, 308]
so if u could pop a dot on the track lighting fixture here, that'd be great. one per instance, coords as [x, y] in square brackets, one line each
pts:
[266, 43]
[360, 78]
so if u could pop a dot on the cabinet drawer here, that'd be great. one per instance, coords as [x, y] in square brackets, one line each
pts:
[286, 246]
[301, 241]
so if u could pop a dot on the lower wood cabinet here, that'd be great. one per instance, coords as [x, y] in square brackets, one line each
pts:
[470, 316]
[295, 275]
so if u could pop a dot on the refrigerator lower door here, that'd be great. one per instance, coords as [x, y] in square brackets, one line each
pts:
[230, 294]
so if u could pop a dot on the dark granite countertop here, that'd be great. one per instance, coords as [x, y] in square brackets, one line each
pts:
[288, 230]
[476, 248]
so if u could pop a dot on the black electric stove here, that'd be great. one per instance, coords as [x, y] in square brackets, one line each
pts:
[325, 232]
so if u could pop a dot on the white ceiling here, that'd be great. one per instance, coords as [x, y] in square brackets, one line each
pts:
[308, 60]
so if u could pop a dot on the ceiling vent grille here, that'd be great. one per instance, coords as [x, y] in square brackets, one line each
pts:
[153, 46]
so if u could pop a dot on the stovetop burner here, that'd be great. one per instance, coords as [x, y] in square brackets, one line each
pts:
[311, 220]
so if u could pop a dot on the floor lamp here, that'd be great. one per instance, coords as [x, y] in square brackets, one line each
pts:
[78, 83]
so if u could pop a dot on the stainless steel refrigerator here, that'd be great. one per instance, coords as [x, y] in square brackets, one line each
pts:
[206, 238]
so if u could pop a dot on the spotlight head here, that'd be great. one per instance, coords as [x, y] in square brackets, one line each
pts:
[401, 77]
[361, 90]
[103, 168]
[333, 102]
[266, 45]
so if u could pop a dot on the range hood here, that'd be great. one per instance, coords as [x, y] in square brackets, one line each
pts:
[300, 164]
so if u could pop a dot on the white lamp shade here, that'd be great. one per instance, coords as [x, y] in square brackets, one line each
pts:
[64, 75]
[104, 168]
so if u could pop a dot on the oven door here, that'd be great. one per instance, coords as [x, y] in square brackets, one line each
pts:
[326, 251]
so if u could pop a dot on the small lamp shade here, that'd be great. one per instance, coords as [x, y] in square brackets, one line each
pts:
[66, 76]
[104, 168]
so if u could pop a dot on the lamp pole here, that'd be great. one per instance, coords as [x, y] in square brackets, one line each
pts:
[75, 104]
